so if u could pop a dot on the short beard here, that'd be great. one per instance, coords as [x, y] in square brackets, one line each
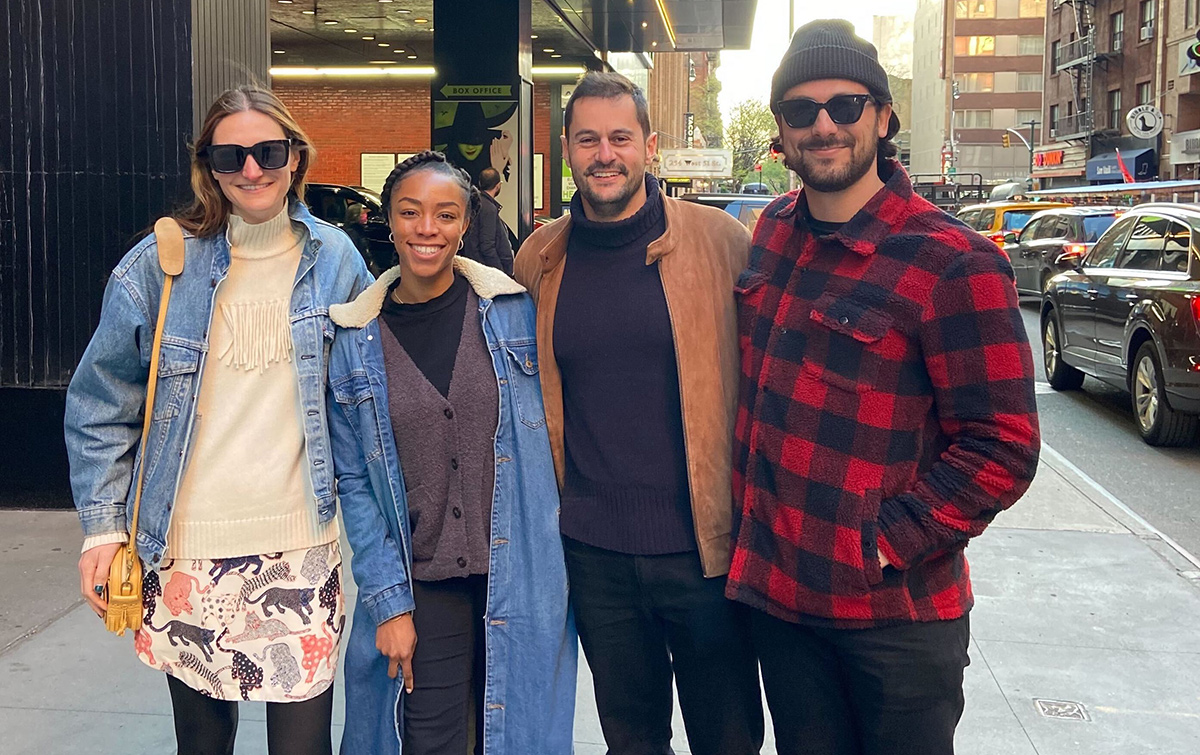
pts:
[862, 159]
[611, 208]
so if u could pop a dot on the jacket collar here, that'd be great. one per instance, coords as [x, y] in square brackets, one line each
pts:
[559, 232]
[487, 282]
[879, 218]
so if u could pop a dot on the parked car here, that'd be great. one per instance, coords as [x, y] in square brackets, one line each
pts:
[1129, 314]
[744, 207]
[994, 219]
[359, 212]
[1053, 241]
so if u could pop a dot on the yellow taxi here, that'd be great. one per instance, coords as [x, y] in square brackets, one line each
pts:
[994, 219]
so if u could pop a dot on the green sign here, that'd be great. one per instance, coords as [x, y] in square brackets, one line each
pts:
[451, 92]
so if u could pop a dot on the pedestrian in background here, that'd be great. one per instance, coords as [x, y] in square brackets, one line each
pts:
[487, 240]
[448, 495]
[637, 332]
[242, 589]
[886, 416]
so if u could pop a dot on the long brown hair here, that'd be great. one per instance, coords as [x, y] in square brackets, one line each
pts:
[209, 209]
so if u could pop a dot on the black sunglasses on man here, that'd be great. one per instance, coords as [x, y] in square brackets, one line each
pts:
[843, 109]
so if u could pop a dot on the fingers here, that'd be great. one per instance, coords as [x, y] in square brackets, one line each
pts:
[406, 665]
[88, 582]
[393, 668]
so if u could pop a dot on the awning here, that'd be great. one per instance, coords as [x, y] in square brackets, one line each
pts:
[1141, 164]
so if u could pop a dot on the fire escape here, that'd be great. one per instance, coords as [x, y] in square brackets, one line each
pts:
[1080, 58]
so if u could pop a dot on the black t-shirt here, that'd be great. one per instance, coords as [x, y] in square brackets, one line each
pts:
[822, 227]
[430, 331]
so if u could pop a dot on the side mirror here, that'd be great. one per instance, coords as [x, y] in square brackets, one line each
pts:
[1071, 257]
[1010, 238]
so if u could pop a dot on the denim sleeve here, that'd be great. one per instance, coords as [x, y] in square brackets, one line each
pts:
[377, 561]
[104, 409]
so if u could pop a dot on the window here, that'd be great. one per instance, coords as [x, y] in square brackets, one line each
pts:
[1054, 53]
[1144, 93]
[1114, 109]
[1025, 116]
[1033, 9]
[975, 9]
[970, 218]
[1146, 12]
[1031, 45]
[986, 219]
[1029, 82]
[1144, 249]
[1118, 31]
[1053, 116]
[1094, 226]
[1175, 252]
[972, 118]
[1015, 220]
[974, 46]
[975, 82]
[1105, 250]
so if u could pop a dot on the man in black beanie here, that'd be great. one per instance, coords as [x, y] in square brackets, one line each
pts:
[886, 415]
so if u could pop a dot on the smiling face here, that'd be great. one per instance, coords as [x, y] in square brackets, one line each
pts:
[257, 195]
[831, 157]
[428, 216]
[608, 152]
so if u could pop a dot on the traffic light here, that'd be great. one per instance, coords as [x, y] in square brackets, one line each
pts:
[1006, 140]
[758, 167]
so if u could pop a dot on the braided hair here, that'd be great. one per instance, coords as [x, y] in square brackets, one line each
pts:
[436, 162]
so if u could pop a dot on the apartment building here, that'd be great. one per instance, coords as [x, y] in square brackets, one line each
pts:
[1101, 58]
[978, 69]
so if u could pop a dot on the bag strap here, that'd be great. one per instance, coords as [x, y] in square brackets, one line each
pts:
[170, 259]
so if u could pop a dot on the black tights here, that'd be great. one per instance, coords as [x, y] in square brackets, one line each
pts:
[206, 726]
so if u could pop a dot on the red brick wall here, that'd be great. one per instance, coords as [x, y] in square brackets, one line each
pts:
[345, 120]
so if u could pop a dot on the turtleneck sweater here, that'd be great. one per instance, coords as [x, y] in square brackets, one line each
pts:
[626, 483]
[245, 488]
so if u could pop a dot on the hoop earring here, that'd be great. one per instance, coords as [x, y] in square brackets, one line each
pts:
[460, 243]
[391, 238]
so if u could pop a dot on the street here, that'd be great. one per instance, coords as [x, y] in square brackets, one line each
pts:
[1094, 429]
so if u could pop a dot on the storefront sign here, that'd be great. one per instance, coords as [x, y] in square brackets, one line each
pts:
[1187, 64]
[1059, 160]
[1185, 147]
[696, 163]
[1145, 121]
[1051, 158]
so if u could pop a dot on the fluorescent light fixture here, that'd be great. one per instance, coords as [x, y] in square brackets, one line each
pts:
[330, 22]
[382, 62]
[385, 44]
[558, 70]
[348, 71]
[350, 31]
[369, 37]
[420, 20]
[411, 57]
[533, 36]
[556, 55]
[279, 52]
[666, 19]
[398, 51]
[309, 12]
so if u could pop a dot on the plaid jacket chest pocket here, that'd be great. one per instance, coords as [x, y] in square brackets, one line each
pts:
[844, 344]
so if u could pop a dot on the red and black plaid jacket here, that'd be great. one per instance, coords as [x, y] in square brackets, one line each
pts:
[886, 405]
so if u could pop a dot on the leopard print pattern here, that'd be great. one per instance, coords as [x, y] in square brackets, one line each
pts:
[330, 594]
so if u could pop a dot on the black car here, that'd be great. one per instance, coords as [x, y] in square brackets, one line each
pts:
[358, 212]
[1053, 241]
[1129, 314]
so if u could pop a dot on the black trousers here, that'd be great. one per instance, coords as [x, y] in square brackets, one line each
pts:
[444, 713]
[204, 726]
[642, 619]
[889, 691]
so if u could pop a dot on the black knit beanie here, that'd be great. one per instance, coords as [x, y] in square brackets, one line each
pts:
[830, 49]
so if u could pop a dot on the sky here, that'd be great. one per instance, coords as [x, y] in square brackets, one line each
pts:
[746, 74]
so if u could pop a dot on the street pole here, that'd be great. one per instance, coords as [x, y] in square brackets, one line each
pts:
[1032, 124]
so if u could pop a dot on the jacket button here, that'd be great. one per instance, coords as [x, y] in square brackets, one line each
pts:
[457, 513]
[462, 563]
[454, 463]
[844, 321]
[449, 413]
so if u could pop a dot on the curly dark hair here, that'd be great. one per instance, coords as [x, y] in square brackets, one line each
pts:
[436, 162]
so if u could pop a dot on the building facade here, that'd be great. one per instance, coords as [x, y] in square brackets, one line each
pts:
[978, 70]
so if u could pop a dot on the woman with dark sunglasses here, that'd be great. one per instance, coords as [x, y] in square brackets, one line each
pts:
[237, 528]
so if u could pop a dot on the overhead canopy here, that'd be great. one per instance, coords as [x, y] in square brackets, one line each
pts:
[1121, 188]
[1140, 163]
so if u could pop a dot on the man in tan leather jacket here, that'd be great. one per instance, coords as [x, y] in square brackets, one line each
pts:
[638, 354]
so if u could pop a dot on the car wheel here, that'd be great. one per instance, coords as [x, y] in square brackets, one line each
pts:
[1060, 375]
[1157, 422]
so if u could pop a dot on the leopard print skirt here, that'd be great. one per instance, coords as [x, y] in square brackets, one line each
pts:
[264, 628]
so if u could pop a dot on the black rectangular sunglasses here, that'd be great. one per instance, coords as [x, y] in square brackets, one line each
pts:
[843, 110]
[229, 158]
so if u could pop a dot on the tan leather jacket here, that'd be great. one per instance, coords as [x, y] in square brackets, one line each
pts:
[700, 257]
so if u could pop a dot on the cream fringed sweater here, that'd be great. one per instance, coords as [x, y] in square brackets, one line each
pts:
[245, 489]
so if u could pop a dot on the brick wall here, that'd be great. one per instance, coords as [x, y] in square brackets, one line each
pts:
[346, 120]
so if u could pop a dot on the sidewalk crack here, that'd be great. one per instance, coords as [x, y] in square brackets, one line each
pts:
[1004, 694]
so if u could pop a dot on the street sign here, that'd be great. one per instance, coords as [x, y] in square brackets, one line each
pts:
[696, 163]
[689, 128]
[1145, 121]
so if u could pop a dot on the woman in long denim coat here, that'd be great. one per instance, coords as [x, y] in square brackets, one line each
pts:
[479, 559]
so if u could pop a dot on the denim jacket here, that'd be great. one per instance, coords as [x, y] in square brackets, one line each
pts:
[103, 421]
[529, 694]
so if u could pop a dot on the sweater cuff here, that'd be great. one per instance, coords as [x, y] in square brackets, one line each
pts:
[900, 536]
[107, 538]
[390, 603]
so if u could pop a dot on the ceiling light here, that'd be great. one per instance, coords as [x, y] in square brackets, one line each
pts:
[382, 62]
[556, 55]
[385, 1]
[385, 44]
[547, 49]
[285, 2]
[403, 10]
[533, 36]
[349, 71]
[279, 52]
[350, 31]
[412, 57]
[420, 20]
[398, 51]
[654, 44]
[330, 22]
[369, 37]
[558, 70]
[666, 19]
[309, 12]
[644, 24]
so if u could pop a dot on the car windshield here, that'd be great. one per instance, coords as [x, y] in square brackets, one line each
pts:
[1095, 225]
[1015, 220]
[372, 197]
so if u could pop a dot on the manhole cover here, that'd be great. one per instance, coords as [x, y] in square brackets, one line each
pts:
[1061, 709]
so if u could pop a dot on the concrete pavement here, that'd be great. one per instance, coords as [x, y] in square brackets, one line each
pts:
[1083, 641]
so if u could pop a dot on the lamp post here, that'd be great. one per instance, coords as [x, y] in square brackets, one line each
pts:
[954, 95]
[689, 119]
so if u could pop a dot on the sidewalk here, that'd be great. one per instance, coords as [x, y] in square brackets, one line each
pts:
[1083, 641]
